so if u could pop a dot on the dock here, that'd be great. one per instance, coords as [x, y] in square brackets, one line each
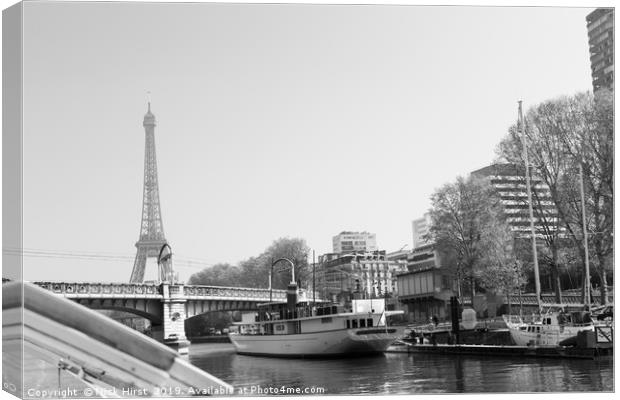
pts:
[503, 351]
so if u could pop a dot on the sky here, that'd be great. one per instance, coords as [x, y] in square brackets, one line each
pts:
[272, 120]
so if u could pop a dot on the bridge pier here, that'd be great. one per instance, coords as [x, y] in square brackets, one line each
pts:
[172, 330]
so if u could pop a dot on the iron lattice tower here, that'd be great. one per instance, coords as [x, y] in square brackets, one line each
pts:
[152, 237]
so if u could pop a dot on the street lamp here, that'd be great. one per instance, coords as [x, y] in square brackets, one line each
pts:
[291, 290]
[292, 267]
[271, 274]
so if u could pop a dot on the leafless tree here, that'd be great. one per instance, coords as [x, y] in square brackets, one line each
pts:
[563, 134]
[460, 214]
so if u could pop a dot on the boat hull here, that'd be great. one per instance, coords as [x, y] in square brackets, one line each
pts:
[551, 337]
[336, 343]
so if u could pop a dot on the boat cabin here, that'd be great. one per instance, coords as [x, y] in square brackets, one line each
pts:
[304, 309]
[277, 318]
[554, 319]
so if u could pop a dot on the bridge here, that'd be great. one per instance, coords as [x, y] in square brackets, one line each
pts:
[165, 305]
[568, 299]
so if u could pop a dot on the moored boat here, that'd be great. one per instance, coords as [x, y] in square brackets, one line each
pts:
[46, 337]
[303, 329]
[553, 327]
[548, 329]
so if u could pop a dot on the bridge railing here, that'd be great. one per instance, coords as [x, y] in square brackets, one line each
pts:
[151, 290]
[102, 289]
[232, 292]
[530, 299]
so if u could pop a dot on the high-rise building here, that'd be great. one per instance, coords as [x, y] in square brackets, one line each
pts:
[421, 227]
[348, 242]
[601, 40]
[425, 289]
[508, 180]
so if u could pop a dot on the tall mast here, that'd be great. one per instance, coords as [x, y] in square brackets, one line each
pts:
[521, 126]
[585, 239]
[313, 280]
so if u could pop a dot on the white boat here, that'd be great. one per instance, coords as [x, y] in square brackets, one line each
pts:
[551, 328]
[45, 336]
[548, 329]
[302, 330]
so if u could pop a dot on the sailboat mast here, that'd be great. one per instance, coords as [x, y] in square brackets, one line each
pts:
[585, 240]
[521, 124]
[313, 279]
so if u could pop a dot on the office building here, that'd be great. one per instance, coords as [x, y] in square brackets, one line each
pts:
[421, 228]
[509, 182]
[348, 242]
[600, 24]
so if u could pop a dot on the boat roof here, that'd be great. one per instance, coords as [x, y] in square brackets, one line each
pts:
[107, 352]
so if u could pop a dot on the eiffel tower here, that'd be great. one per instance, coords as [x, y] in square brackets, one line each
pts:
[152, 237]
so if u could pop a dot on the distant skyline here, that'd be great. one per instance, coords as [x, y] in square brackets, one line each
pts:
[273, 120]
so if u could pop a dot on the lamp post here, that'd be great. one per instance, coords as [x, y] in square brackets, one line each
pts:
[292, 267]
[291, 290]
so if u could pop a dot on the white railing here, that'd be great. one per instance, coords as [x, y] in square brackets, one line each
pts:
[94, 289]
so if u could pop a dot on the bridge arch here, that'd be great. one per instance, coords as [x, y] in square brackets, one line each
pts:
[200, 307]
[148, 309]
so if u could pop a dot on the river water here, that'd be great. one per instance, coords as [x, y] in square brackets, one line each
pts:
[401, 373]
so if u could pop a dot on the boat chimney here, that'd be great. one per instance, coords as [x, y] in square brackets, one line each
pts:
[291, 296]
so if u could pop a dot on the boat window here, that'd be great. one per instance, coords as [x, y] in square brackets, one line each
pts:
[354, 323]
[538, 329]
[369, 322]
[326, 320]
[348, 324]
[548, 321]
[279, 327]
[362, 323]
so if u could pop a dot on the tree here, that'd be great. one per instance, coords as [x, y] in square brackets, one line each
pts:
[499, 269]
[217, 275]
[254, 272]
[460, 213]
[548, 225]
[296, 250]
[563, 134]
[592, 148]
